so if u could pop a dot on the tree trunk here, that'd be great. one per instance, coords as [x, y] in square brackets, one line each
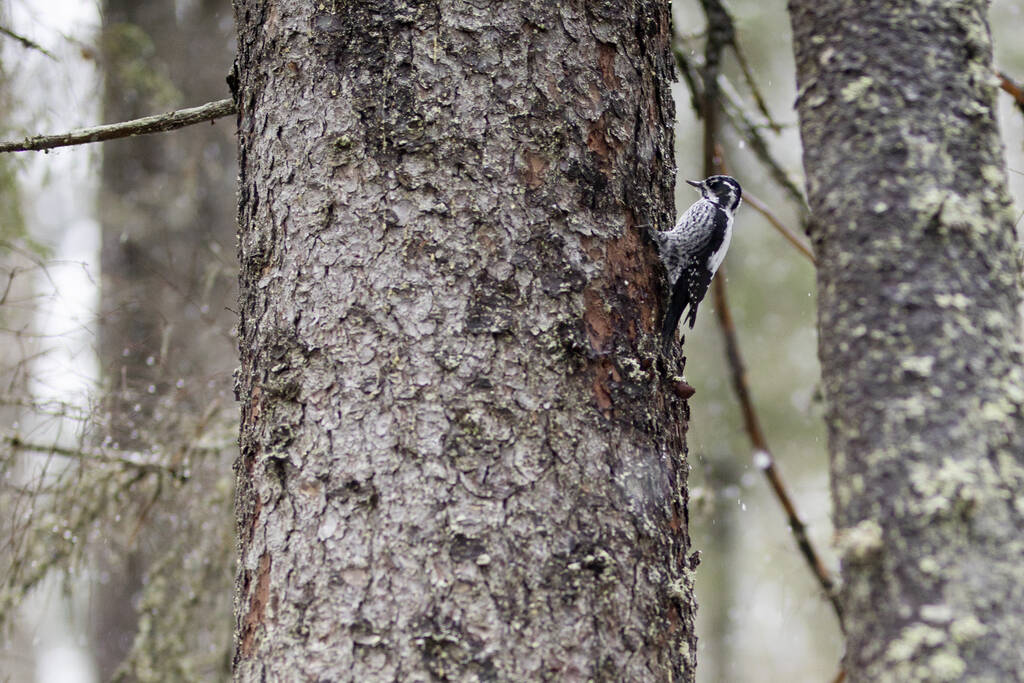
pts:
[919, 330]
[164, 344]
[460, 458]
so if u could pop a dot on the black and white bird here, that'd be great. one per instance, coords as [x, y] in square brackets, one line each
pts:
[693, 250]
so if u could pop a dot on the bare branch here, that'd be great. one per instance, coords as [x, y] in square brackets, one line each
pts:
[763, 456]
[150, 124]
[1010, 86]
[691, 74]
[748, 76]
[32, 45]
[750, 131]
[791, 236]
[135, 461]
[720, 33]
[742, 121]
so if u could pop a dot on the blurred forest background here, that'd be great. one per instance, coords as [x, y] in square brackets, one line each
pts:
[117, 280]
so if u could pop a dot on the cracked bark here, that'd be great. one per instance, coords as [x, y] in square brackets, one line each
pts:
[919, 299]
[460, 459]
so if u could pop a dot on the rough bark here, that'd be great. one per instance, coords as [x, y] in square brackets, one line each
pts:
[164, 345]
[460, 458]
[919, 293]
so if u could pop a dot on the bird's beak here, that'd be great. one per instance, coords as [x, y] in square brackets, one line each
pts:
[695, 183]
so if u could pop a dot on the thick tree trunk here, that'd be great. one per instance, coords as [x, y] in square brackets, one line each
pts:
[459, 457]
[919, 335]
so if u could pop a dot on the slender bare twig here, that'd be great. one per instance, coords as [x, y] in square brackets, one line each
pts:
[53, 408]
[1010, 86]
[141, 462]
[763, 457]
[748, 76]
[719, 33]
[30, 44]
[144, 514]
[128, 460]
[741, 121]
[688, 68]
[791, 236]
[750, 131]
[144, 126]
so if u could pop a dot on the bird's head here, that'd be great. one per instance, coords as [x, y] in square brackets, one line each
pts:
[720, 189]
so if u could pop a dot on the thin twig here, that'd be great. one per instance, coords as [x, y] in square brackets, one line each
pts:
[791, 236]
[688, 68]
[742, 122]
[30, 44]
[750, 131]
[144, 126]
[51, 408]
[145, 513]
[719, 33]
[763, 457]
[1010, 86]
[128, 459]
[748, 76]
[125, 459]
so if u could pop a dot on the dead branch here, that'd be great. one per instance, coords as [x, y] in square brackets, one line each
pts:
[762, 453]
[750, 131]
[720, 32]
[1010, 86]
[742, 121]
[791, 235]
[30, 44]
[158, 123]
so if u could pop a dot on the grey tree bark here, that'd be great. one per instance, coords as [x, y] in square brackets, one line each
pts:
[920, 334]
[460, 458]
[164, 345]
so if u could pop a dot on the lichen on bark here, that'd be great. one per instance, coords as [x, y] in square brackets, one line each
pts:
[919, 299]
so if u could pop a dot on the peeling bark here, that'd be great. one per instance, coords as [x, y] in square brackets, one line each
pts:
[919, 299]
[462, 457]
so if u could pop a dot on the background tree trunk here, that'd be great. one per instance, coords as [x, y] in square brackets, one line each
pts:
[919, 292]
[460, 456]
[164, 341]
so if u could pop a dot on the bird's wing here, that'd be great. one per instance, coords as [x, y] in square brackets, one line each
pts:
[692, 284]
[703, 245]
[679, 300]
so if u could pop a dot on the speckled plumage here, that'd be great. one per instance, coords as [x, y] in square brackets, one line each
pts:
[694, 249]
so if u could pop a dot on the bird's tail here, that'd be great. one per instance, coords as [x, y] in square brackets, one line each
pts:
[677, 304]
[691, 317]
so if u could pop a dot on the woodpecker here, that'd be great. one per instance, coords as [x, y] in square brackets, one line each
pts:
[693, 250]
